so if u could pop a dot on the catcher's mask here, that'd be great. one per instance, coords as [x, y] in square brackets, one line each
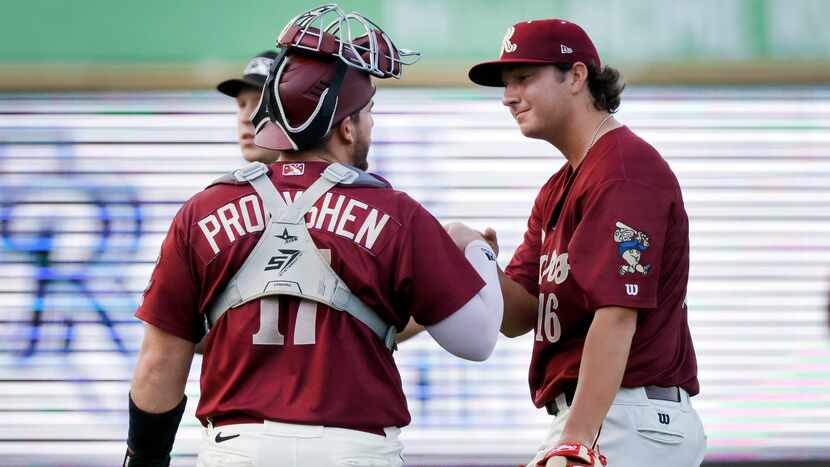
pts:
[321, 75]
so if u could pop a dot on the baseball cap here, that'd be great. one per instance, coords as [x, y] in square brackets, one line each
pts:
[254, 75]
[545, 41]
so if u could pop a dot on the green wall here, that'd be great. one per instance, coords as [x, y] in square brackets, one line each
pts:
[191, 31]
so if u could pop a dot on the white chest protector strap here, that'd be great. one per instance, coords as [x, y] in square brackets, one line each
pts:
[285, 261]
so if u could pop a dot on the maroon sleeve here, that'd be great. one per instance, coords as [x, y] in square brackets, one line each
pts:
[616, 251]
[524, 267]
[171, 299]
[433, 278]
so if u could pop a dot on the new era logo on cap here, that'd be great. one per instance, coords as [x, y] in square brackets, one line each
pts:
[565, 49]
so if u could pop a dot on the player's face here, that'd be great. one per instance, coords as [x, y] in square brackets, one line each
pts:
[246, 102]
[363, 129]
[537, 97]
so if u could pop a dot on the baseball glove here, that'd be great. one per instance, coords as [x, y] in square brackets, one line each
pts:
[572, 455]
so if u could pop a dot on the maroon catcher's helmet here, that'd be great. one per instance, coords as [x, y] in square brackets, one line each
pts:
[321, 75]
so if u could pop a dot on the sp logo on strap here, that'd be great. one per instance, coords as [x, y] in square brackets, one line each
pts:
[283, 261]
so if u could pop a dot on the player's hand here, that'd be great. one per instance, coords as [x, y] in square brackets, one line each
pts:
[572, 455]
[492, 239]
[462, 235]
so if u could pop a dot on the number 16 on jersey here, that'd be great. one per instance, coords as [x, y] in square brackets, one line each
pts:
[548, 326]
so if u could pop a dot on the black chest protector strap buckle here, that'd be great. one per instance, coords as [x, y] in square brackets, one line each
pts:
[285, 261]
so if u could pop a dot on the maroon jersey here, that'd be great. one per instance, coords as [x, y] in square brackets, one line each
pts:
[318, 365]
[613, 232]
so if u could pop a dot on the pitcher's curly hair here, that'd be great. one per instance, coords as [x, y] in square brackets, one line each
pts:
[606, 86]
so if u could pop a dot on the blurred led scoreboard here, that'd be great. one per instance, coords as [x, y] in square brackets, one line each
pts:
[90, 183]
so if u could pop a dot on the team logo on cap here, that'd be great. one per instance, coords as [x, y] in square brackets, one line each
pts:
[258, 66]
[506, 45]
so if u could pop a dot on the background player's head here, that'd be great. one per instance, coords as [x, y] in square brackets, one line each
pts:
[318, 95]
[551, 71]
[247, 90]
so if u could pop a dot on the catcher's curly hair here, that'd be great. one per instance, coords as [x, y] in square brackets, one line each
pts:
[606, 87]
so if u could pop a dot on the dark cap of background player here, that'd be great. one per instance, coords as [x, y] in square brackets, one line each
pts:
[254, 75]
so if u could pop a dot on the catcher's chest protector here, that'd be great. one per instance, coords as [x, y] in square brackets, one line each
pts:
[285, 261]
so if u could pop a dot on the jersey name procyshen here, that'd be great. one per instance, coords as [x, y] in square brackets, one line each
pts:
[337, 213]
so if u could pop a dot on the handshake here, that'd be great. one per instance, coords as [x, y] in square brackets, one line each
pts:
[463, 235]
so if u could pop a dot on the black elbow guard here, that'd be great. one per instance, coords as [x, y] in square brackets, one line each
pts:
[151, 436]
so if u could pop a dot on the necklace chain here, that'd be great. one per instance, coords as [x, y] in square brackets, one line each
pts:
[596, 132]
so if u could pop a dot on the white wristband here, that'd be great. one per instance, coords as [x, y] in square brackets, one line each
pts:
[480, 247]
[483, 259]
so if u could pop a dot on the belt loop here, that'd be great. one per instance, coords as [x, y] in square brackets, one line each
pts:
[389, 340]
